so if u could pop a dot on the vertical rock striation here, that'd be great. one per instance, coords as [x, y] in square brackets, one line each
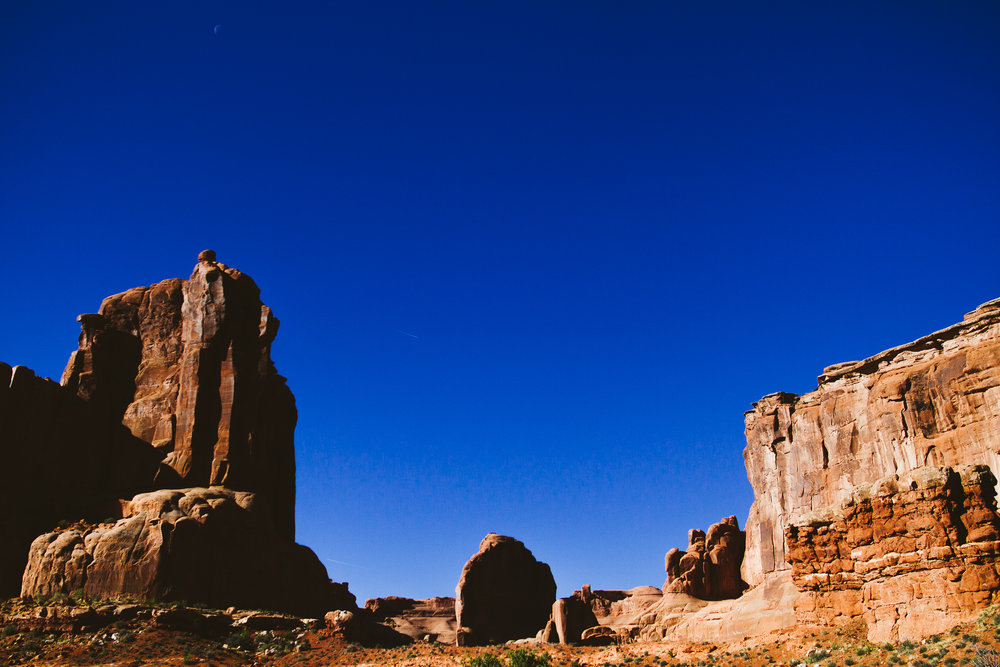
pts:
[186, 366]
[933, 402]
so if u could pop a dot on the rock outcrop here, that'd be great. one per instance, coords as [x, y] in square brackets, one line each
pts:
[646, 613]
[359, 626]
[432, 619]
[186, 367]
[59, 461]
[573, 615]
[935, 401]
[912, 554]
[710, 568]
[172, 387]
[211, 545]
[503, 593]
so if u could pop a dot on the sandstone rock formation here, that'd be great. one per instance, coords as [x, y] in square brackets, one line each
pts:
[710, 568]
[358, 625]
[935, 401]
[432, 619]
[186, 366]
[646, 613]
[912, 554]
[172, 387]
[503, 593]
[58, 460]
[211, 545]
[573, 615]
[600, 635]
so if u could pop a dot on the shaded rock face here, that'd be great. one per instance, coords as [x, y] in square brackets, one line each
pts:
[503, 593]
[186, 367]
[211, 545]
[710, 568]
[912, 554]
[572, 616]
[432, 619]
[59, 460]
[935, 402]
[359, 626]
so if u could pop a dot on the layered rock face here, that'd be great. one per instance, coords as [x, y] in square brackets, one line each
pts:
[214, 545]
[935, 401]
[185, 366]
[912, 554]
[503, 593]
[710, 568]
[60, 461]
[432, 619]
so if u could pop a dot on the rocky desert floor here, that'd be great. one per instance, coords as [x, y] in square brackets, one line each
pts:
[143, 641]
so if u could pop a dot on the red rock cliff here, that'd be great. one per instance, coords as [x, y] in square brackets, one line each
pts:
[912, 554]
[186, 366]
[935, 402]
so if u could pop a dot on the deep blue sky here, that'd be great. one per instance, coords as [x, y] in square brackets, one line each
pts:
[533, 260]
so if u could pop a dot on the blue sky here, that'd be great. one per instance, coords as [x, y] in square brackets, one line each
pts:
[533, 260]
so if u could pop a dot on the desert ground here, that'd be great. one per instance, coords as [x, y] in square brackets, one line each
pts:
[144, 641]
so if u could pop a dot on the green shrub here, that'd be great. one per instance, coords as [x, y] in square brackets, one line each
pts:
[242, 641]
[522, 657]
[483, 660]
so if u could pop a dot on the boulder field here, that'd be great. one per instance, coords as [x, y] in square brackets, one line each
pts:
[162, 467]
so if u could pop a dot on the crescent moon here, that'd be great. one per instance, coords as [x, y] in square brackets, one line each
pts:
[215, 30]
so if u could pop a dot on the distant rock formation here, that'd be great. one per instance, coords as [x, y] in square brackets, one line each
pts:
[432, 619]
[503, 593]
[912, 554]
[359, 626]
[573, 615]
[710, 568]
[935, 401]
